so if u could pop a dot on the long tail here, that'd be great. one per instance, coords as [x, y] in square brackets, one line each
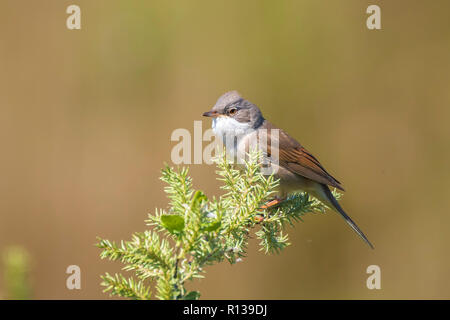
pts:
[331, 200]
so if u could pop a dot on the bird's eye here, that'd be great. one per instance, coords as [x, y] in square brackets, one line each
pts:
[232, 111]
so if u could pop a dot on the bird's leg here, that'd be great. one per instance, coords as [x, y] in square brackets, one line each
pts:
[260, 218]
[272, 203]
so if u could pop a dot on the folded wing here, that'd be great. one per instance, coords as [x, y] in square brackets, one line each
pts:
[296, 158]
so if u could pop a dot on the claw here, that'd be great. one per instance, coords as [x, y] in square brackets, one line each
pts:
[259, 219]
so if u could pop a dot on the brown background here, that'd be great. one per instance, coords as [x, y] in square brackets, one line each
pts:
[86, 118]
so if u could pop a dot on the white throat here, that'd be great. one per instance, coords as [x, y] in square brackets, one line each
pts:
[225, 126]
[231, 132]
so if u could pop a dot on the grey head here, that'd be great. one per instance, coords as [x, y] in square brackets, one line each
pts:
[232, 105]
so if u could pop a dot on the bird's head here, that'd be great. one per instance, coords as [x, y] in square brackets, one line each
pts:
[232, 106]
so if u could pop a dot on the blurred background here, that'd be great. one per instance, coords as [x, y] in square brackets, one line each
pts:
[86, 118]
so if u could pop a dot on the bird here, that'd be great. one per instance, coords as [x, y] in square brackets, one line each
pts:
[238, 123]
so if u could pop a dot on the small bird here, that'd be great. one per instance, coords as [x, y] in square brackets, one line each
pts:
[296, 168]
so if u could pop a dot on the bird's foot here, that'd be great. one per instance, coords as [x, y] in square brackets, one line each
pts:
[272, 203]
[259, 217]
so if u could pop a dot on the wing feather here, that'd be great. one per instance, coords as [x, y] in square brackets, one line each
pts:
[293, 156]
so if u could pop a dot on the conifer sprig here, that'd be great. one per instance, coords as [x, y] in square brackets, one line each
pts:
[194, 231]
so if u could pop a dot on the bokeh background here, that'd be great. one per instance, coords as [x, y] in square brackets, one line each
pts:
[86, 118]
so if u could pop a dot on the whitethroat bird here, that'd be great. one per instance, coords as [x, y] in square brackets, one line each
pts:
[296, 168]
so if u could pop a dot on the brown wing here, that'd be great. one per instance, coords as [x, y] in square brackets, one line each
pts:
[299, 160]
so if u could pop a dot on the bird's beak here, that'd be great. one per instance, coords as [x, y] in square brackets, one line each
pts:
[211, 114]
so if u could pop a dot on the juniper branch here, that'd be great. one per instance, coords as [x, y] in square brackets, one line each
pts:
[194, 231]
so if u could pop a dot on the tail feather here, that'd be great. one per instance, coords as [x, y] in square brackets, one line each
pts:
[335, 204]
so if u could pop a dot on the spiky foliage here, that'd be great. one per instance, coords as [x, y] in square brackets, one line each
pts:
[194, 231]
